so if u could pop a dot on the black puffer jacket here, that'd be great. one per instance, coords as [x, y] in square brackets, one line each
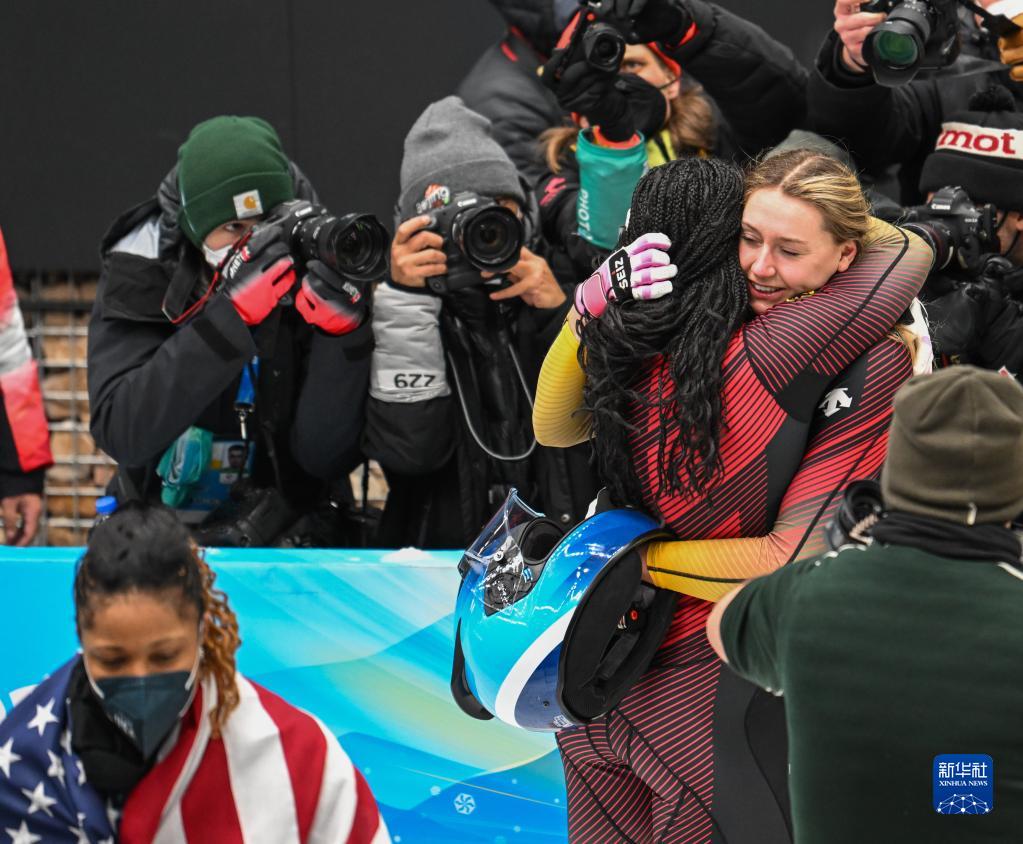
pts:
[756, 88]
[504, 86]
[149, 380]
[896, 126]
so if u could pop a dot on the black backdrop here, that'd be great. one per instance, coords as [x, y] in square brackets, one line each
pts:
[96, 97]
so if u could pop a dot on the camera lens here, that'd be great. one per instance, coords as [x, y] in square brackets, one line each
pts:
[604, 47]
[356, 247]
[897, 49]
[490, 238]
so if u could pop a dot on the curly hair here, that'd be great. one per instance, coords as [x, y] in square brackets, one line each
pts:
[697, 203]
[146, 549]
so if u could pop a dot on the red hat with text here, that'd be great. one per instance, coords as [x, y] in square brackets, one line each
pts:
[981, 151]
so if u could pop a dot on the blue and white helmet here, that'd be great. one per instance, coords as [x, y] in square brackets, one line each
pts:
[552, 630]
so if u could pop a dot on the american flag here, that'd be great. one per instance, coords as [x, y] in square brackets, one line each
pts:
[275, 775]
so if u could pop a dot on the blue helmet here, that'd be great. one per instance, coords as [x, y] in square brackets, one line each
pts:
[552, 630]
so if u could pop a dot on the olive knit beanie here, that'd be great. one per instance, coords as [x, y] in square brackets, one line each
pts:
[230, 168]
[955, 448]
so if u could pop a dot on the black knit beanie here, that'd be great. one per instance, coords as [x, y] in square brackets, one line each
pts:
[981, 150]
[955, 448]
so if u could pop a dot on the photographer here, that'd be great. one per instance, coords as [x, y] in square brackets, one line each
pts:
[885, 126]
[976, 313]
[212, 328]
[693, 79]
[504, 86]
[459, 346]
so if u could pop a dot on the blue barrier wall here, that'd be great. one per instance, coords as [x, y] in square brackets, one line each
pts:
[363, 639]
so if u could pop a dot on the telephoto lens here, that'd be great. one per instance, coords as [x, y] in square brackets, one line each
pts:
[354, 245]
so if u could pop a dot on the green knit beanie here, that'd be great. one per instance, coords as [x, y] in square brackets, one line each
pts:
[955, 447]
[230, 168]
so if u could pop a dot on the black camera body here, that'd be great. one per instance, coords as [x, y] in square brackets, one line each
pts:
[480, 235]
[355, 246]
[917, 35]
[962, 234]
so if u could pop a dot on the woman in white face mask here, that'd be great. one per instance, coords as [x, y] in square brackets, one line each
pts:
[151, 734]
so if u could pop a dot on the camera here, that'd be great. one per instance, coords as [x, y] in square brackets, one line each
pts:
[479, 235]
[604, 47]
[957, 230]
[355, 246]
[917, 35]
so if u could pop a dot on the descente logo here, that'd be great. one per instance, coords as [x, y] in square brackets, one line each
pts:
[998, 143]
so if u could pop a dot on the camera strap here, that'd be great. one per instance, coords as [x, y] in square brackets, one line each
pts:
[504, 458]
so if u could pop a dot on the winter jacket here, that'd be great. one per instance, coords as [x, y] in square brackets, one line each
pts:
[885, 126]
[24, 433]
[149, 380]
[504, 86]
[445, 387]
[757, 90]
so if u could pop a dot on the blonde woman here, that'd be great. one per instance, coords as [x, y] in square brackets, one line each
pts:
[700, 415]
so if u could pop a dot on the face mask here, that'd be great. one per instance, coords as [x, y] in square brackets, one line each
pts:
[215, 257]
[646, 102]
[147, 708]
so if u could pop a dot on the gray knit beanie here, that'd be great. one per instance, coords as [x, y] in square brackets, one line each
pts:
[451, 146]
[955, 448]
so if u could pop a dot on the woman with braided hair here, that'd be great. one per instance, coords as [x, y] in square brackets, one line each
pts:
[704, 354]
[150, 734]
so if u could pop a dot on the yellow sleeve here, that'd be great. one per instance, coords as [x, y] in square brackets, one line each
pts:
[711, 568]
[558, 418]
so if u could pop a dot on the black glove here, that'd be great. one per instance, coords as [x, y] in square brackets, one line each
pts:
[666, 21]
[332, 303]
[593, 94]
[957, 321]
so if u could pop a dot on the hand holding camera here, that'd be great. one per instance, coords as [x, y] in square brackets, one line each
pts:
[532, 281]
[453, 246]
[258, 273]
[853, 26]
[416, 253]
[336, 257]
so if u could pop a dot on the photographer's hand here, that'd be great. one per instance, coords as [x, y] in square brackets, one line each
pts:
[641, 270]
[417, 255]
[21, 518]
[853, 27]
[334, 304]
[1010, 47]
[258, 273]
[666, 21]
[533, 281]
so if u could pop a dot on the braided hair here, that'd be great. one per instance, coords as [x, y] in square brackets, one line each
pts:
[146, 549]
[697, 203]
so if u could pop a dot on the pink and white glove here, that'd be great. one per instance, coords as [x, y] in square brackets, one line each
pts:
[640, 270]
